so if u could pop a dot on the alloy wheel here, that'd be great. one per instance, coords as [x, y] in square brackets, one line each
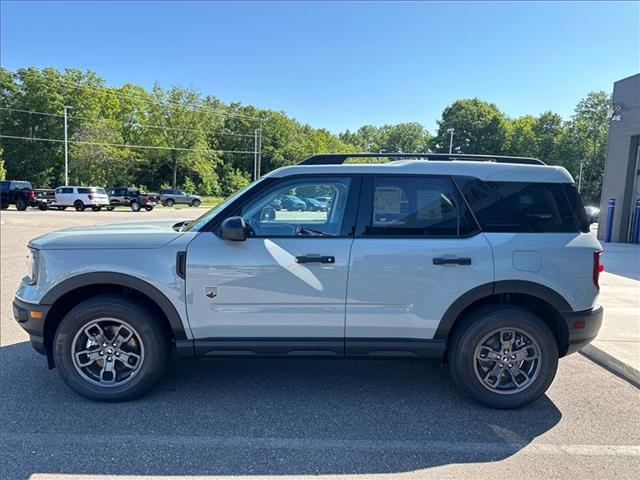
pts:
[507, 361]
[107, 352]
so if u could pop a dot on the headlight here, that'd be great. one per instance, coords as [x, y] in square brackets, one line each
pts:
[32, 267]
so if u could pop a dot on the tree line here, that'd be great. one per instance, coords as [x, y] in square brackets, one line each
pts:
[179, 137]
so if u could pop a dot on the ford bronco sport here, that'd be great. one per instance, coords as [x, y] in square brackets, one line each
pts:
[485, 263]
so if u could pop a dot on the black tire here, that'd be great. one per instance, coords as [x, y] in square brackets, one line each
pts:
[170, 202]
[21, 204]
[4, 206]
[79, 206]
[62, 208]
[148, 208]
[43, 206]
[96, 208]
[135, 206]
[196, 203]
[153, 337]
[111, 209]
[470, 334]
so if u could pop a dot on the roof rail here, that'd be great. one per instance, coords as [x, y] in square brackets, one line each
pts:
[340, 158]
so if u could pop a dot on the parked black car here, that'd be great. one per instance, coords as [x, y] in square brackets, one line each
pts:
[23, 195]
[292, 203]
[314, 205]
[130, 197]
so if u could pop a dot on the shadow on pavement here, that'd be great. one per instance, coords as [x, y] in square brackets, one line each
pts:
[266, 417]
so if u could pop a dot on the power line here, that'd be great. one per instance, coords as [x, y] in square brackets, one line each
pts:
[158, 102]
[135, 124]
[151, 147]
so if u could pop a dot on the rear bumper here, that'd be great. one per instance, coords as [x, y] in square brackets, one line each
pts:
[583, 327]
[24, 314]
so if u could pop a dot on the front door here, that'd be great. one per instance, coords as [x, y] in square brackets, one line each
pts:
[417, 250]
[283, 289]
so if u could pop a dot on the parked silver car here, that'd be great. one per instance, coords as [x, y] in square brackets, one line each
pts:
[488, 266]
[171, 197]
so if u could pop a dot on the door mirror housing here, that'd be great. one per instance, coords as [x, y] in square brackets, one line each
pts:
[234, 228]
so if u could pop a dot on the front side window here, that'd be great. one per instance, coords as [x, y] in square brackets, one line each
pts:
[290, 209]
[416, 206]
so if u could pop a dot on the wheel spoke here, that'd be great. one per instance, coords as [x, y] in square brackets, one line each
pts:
[516, 373]
[495, 372]
[95, 333]
[487, 353]
[525, 354]
[87, 357]
[108, 372]
[507, 338]
[122, 335]
[129, 360]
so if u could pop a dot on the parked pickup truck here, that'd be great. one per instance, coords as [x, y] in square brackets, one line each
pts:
[23, 195]
[130, 197]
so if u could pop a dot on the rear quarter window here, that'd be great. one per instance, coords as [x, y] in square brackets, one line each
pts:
[520, 207]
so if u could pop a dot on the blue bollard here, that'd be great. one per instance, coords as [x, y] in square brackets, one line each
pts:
[611, 207]
[635, 228]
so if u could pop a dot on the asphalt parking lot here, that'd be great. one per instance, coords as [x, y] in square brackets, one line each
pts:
[242, 418]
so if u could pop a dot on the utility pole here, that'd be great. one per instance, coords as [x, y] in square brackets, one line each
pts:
[66, 146]
[450, 131]
[255, 154]
[580, 177]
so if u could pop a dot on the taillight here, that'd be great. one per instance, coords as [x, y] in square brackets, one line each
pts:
[146, 197]
[597, 268]
[32, 194]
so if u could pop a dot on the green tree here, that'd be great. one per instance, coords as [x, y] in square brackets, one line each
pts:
[520, 137]
[479, 127]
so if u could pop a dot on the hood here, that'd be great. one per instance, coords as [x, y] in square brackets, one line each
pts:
[112, 235]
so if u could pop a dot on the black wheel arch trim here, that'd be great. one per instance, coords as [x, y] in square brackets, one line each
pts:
[121, 280]
[493, 288]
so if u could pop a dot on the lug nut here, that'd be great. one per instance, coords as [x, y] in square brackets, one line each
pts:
[104, 344]
[113, 344]
[117, 354]
[101, 353]
[511, 365]
[109, 359]
[500, 365]
[513, 356]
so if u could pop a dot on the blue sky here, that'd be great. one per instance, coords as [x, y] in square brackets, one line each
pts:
[340, 65]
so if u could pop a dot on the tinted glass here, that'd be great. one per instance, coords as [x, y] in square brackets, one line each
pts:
[86, 190]
[4, 185]
[282, 210]
[575, 203]
[519, 206]
[416, 206]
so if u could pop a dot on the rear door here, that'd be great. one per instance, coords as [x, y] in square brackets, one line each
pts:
[285, 284]
[417, 250]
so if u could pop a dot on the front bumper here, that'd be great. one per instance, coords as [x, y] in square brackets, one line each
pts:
[31, 317]
[583, 327]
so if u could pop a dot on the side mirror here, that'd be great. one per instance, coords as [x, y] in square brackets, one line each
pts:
[234, 228]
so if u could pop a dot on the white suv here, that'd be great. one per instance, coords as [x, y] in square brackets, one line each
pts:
[486, 265]
[81, 198]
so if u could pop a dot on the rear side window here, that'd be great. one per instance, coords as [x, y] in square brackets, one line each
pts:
[86, 190]
[520, 207]
[4, 186]
[416, 206]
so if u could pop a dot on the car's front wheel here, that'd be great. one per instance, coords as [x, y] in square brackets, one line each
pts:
[170, 202]
[135, 206]
[110, 348]
[196, 203]
[96, 208]
[503, 356]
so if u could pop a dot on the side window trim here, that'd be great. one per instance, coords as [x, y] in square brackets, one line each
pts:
[365, 210]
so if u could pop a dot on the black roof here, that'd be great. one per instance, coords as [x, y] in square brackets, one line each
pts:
[340, 158]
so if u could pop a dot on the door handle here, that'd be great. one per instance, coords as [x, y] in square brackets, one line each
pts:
[315, 259]
[452, 261]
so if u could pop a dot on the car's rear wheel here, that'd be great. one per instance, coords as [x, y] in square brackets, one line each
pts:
[21, 204]
[110, 349]
[503, 357]
[148, 208]
[196, 203]
[111, 209]
[135, 206]
[169, 202]
[78, 205]
[43, 206]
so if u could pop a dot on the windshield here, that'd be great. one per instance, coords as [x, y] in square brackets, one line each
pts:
[202, 220]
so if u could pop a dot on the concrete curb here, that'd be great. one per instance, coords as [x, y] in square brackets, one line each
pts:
[621, 369]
